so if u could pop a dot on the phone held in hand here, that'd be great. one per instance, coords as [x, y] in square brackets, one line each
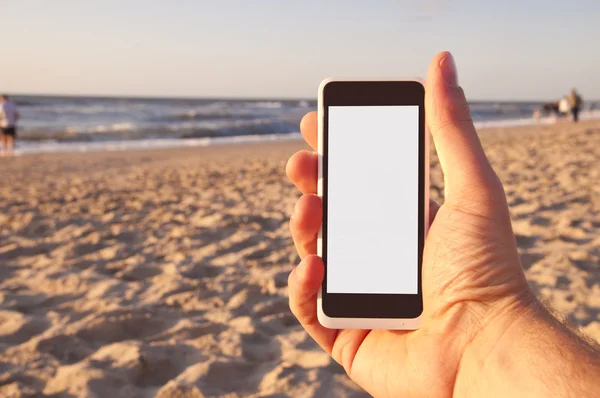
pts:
[374, 183]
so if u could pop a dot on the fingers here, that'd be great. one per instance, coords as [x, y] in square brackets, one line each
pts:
[304, 283]
[309, 129]
[305, 224]
[466, 169]
[301, 169]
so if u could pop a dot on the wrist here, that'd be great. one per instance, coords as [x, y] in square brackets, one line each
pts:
[525, 351]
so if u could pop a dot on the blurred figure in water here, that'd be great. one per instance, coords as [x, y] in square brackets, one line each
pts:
[563, 107]
[8, 124]
[575, 103]
[549, 110]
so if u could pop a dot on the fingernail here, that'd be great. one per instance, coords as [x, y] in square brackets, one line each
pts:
[295, 210]
[448, 66]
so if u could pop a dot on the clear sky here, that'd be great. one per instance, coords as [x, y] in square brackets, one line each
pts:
[509, 49]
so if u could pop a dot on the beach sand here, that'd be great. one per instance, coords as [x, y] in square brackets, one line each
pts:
[164, 273]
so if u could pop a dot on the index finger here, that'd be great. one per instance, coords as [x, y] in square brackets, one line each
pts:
[309, 129]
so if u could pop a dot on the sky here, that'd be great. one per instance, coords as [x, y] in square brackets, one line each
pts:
[505, 50]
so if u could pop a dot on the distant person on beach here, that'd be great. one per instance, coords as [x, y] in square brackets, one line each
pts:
[9, 115]
[563, 107]
[575, 103]
[549, 109]
[484, 332]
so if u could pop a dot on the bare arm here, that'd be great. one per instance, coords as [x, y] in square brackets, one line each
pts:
[536, 355]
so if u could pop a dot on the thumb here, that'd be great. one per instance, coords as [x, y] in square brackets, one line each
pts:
[468, 175]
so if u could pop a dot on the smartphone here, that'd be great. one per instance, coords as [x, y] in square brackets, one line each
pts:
[374, 183]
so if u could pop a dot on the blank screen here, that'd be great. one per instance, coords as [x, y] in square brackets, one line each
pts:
[372, 199]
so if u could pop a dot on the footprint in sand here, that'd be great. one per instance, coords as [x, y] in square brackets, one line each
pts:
[124, 369]
[525, 242]
[577, 236]
[259, 347]
[202, 270]
[229, 377]
[275, 306]
[176, 390]
[587, 265]
[84, 249]
[189, 330]
[16, 328]
[529, 259]
[138, 272]
[67, 349]
[541, 221]
[122, 325]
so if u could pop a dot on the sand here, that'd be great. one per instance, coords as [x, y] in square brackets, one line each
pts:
[164, 273]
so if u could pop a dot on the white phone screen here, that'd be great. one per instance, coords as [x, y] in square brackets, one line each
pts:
[372, 199]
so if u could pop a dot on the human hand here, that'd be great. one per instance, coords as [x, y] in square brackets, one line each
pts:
[474, 288]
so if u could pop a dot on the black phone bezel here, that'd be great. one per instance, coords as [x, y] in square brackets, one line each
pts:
[374, 93]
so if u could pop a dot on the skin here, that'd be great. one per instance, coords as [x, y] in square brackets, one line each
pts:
[484, 332]
[8, 142]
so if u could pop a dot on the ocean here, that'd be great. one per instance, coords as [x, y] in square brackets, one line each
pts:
[60, 123]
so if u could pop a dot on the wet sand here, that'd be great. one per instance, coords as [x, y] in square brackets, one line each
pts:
[164, 273]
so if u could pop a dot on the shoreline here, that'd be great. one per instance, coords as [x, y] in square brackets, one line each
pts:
[25, 147]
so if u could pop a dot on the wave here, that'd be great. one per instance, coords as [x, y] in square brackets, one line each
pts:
[501, 110]
[99, 119]
[182, 129]
[267, 104]
[60, 146]
[587, 115]
[201, 114]
[25, 148]
[24, 103]
[224, 110]
[212, 128]
[113, 128]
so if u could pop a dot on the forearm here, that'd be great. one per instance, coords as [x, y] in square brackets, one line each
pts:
[532, 355]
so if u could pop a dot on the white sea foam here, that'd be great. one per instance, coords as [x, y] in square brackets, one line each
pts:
[586, 115]
[26, 148]
[113, 128]
[268, 104]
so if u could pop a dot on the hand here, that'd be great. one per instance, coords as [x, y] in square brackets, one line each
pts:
[474, 288]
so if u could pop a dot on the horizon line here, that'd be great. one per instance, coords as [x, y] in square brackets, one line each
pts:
[234, 98]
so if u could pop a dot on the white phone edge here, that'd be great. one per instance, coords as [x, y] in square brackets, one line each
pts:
[364, 323]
